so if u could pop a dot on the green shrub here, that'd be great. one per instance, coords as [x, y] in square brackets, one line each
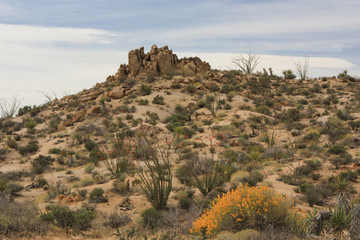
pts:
[96, 155]
[54, 150]
[64, 217]
[40, 163]
[344, 115]
[96, 196]
[354, 125]
[185, 203]
[145, 89]
[89, 168]
[143, 102]
[312, 195]
[13, 188]
[12, 143]
[54, 123]
[31, 147]
[19, 219]
[41, 182]
[158, 99]
[336, 149]
[190, 88]
[253, 178]
[90, 144]
[342, 159]
[30, 123]
[151, 217]
[3, 153]
[334, 128]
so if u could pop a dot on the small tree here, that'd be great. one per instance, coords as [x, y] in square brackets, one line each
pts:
[9, 108]
[302, 68]
[247, 62]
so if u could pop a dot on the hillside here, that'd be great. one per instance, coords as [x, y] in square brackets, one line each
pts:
[93, 150]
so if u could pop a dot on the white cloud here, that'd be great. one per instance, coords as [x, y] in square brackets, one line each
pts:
[32, 61]
[26, 34]
[318, 66]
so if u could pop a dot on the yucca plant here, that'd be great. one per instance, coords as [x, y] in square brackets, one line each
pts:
[339, 221]
[343, 194]
[157, 177]
[203, 174]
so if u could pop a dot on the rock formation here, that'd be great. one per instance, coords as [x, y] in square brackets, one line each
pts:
[157, 62]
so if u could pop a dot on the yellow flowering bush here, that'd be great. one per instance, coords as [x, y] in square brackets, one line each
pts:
[246, 207]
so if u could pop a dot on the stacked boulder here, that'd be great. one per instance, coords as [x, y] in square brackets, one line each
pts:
[157, 62]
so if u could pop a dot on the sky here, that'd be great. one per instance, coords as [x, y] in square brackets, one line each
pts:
[64, 46]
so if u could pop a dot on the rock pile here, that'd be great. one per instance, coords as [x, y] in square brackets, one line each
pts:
[157, 62]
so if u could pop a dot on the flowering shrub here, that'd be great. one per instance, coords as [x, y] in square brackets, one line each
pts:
[247, 207]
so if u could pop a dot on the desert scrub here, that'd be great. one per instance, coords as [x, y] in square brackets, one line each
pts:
[19, 218]
[64, 217]
[248, 207]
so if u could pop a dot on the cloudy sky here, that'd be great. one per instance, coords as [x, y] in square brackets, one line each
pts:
[69, 45]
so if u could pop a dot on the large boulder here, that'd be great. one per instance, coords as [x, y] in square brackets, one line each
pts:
[117, 93]
[190, 69]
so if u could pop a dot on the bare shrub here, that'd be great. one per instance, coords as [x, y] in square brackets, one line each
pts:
[19, 218]
[9, 108]
[247, 62]
[302, 68]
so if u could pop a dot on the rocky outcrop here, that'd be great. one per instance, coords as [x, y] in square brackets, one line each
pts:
[158, 61]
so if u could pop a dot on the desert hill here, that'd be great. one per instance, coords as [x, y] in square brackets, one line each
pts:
[94, 152]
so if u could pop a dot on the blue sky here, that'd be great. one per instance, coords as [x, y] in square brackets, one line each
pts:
[58, 45]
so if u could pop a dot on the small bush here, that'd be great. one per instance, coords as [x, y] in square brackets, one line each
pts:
[63, 217]
[158, 99]
[336, 149]
[54, 150]
[96, 196]
[115, 220]
[253, 178]
[143, 102]
[89, 168]
[145, 89]
[90, 144]
[342, 159]
[312, 195]
[31, 147]
[40, 163]
[185, 203]
[334, 128]
[151, 217]
[19, 218]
